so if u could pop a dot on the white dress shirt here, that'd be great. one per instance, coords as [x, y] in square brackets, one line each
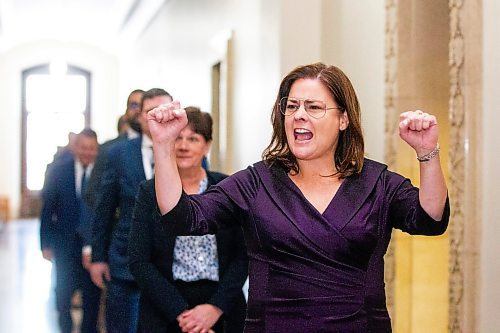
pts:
[78, 175]
[147, 156]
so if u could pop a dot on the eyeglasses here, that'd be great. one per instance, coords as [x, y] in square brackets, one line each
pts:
[134, 105]
[314, 108]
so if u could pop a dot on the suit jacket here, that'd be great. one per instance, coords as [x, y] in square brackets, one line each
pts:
[117, 190]
[151, 250]
[311, 271]
[60, 214]
[100, 164]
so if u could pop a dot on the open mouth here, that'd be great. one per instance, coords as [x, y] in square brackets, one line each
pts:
[301, 134]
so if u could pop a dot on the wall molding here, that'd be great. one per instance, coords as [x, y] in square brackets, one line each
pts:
[465, 105]
[457, 159]
[391, 130]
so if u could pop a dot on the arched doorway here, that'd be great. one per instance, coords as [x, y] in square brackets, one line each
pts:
[55, 102]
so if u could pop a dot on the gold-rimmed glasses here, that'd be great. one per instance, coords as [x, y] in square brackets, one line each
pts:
[314, 108]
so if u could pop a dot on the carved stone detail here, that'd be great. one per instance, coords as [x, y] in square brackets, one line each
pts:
[391, 130]
[457, 179]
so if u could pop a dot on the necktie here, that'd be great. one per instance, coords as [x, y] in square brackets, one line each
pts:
[152, 161]
[83, 209]
[83, 183]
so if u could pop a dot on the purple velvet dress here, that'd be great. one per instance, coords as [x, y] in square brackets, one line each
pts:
[311, 272]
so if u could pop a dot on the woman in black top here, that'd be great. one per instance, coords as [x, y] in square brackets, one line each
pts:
[188, 283]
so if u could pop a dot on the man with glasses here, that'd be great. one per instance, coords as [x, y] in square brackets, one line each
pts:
[132, 131]
[132, 113]
[128, 163]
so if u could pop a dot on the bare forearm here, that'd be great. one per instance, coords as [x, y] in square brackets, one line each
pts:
[433, 189]
[421, 131]
[167, 180]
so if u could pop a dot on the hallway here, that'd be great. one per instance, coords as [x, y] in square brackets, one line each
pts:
[26, 295]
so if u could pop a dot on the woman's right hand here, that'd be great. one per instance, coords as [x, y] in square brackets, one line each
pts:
[166, 122]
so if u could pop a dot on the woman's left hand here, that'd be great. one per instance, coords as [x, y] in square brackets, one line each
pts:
[419, 130]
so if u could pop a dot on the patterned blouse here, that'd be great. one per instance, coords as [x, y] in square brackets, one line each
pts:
[195, 257]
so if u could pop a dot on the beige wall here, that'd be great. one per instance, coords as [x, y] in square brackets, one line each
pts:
[270, 38]
[423, 83]
[489, 320]
[179, 49]
[353, 39]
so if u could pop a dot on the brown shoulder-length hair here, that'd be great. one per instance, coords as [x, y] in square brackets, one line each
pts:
[349, 153]
[200, 122]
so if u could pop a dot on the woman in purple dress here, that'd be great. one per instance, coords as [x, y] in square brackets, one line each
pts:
[316, 214]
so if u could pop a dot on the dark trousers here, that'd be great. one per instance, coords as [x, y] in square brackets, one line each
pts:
[71, 276]
[122, 306]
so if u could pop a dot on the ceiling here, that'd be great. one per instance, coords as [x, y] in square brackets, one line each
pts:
[101, 23]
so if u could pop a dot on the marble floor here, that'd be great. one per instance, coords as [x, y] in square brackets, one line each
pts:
[27, 299]
[26, 291]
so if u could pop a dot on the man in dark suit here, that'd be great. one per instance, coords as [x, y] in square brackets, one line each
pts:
[63, 153]
[129, 162]
[132, 130]
[64, 231]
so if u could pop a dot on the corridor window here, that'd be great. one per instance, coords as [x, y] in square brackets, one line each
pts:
[54, 105]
